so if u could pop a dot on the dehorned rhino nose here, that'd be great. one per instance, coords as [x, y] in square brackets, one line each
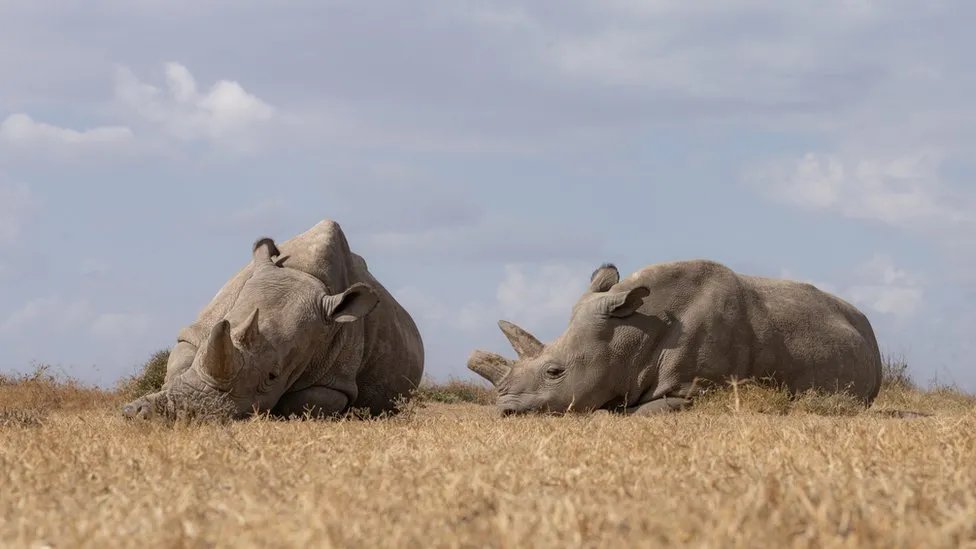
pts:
[136, 410]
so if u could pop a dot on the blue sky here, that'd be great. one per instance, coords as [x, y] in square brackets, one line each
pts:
[484, 157]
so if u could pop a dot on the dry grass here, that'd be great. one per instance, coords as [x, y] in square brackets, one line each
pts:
[747, 468]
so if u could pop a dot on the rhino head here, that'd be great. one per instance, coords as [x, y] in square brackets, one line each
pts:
[262, 345]
[581, 370]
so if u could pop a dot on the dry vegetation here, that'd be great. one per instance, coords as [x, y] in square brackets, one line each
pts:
[747, 468]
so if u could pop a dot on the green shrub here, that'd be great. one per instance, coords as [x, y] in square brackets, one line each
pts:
[150, 377]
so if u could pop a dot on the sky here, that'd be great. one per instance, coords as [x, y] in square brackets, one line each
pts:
[484, 158]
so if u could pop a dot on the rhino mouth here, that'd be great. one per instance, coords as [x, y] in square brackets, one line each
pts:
[183, 398]
[507, 412]
[510, 405]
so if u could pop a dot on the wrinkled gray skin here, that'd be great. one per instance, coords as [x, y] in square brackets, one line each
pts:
[637, 346]
[311, 332]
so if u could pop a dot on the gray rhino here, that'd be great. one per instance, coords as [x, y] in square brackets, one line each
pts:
[651, 342]
[312, 331]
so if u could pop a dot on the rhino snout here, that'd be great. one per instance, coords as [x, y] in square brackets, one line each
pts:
[509, 406]
[137, 410]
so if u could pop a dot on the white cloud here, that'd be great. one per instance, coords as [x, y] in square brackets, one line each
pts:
[886, 288]
[223, 112]
[542, 295]
[878, 285]
[21, 129]
[539, 297]
[903, 191]
[716, 50]
[887, 298]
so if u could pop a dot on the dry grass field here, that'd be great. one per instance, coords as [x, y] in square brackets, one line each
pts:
[746, 469]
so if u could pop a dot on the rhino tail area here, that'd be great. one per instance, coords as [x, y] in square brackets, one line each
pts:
[264, 249]
[903, 414]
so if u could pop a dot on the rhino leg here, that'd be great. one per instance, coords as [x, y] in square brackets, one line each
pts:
[659, 406]
[318, 401]
[180, 359]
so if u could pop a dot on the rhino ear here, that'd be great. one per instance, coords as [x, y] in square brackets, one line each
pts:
[247, 334]
[524, 343]
[624, 304]
[604, 277]
[353, 304]
[218, 357]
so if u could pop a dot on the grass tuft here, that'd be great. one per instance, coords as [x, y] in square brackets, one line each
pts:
[456, 391]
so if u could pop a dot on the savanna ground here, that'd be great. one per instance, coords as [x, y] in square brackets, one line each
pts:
[747, 468]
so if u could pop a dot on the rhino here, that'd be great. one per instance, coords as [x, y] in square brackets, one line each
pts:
[650, 343]
[303, 328]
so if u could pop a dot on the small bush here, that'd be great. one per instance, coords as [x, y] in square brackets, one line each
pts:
[894, 374]
[150, 377]
[455, 391]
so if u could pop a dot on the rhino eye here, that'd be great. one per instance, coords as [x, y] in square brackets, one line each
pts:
[272, 376]
[554, 371]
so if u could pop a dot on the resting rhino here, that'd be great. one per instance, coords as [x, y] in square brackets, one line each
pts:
[638, 345]
[312, 331]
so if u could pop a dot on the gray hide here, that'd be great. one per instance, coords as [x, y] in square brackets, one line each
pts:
[638, 345]
[311, 331]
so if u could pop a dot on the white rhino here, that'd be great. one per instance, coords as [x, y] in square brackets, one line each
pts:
[312, 331]
[646, 344]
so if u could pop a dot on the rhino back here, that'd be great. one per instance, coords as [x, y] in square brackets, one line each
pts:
[813, 338]
[723, 323]
[708, 334]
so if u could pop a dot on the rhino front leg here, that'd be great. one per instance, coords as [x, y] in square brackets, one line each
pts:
[660, 406]
[180, 359]
[318, 401]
